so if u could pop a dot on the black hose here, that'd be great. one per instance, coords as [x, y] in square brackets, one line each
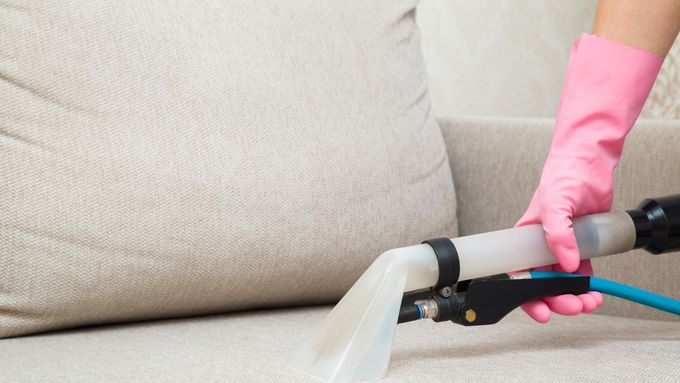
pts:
[408, 314]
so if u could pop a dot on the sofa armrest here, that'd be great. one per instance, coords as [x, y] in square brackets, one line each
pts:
[496, 165]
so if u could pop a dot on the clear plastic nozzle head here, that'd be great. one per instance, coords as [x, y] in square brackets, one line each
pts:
[354, 341]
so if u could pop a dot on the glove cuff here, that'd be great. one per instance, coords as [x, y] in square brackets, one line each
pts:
[606, 86]
[606, 68]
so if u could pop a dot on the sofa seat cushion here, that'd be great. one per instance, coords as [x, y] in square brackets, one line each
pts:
[254, 347]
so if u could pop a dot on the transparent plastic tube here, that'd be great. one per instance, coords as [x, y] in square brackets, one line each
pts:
[525, 247]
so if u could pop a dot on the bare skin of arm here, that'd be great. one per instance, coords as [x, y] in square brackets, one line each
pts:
[651, 25]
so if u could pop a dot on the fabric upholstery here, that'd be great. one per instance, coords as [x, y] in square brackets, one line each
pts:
[498, 168]
[163, 159]
[254, 347]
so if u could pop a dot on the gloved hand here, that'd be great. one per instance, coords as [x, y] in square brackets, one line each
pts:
[605, 88]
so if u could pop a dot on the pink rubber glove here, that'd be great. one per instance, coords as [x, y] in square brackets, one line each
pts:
[605, 88]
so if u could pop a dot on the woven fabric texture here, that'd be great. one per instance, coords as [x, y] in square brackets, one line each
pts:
[255, 346]
[163, 159]
[664, 100]
[498, 168]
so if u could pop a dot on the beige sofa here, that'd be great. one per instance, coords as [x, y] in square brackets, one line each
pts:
[495, 165]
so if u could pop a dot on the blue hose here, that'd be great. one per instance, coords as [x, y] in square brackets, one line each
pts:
[616, 289]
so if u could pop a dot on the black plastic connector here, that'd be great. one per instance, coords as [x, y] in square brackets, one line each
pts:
[488, 300]
[447, 261]
[449, 307]
[657, 224]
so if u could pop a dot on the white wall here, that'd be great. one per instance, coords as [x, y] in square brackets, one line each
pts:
[508, 57]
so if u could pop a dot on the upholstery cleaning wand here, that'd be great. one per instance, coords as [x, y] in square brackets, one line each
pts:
[465, 280]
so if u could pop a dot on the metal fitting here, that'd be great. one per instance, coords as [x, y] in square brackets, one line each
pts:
[520, 275]
[429, 308]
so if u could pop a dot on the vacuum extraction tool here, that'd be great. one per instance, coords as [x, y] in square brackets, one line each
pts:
[465, 280]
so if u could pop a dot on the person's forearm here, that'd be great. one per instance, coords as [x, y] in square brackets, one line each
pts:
[651, 25]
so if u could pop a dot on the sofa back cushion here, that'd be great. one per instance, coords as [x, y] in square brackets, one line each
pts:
[163, 159]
